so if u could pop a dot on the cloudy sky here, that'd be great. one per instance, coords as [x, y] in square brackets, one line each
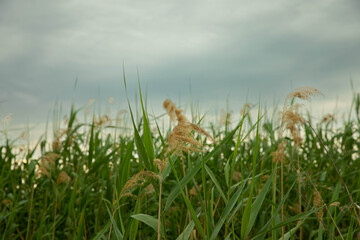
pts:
[235, 50]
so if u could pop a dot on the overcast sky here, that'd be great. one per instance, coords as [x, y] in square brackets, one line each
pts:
[233, 50]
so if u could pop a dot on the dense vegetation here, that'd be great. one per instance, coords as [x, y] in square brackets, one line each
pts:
[257, 178]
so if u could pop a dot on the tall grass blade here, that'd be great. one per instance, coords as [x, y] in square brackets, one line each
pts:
[150, 221]
[114, 224]
[185, 235]
[188, 204]
[261, 234]
[225, 213]
[149, 146]
[248, 208]
[101, 234]
[256, 206]
[217, 184]
[80, 228]
[291, 232]
[197, 166]
[143, 155]
[133, 227]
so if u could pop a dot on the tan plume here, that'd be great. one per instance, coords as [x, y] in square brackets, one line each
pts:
[135, 181]
[304, 93]
[181, 139]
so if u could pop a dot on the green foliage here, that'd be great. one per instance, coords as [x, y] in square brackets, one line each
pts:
[231, 183]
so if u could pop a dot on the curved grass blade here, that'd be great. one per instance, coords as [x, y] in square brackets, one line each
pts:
[80, 228]
[185, 235]
[229, 206]
[217, 184]
[101, 235]
[292, 231]
[258, 203]
[261, 234]
[114, 224]
[150, 221]
[188, 204]
[143, 155]
[176, 190]
[149, 146]
[248, 208]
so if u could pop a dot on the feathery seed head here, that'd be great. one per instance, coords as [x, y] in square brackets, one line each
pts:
[199, 130]
[318, 202]
[193, 191]
[279, 154]
[335, 204]
[135, 181]
[180, 118]
[170, 108]
[160, 164]
[245, 109]
[167, 103]
[56, 145]
[63, 178]
[46, 164]
[291, 119]
[149, 189]
[328, 118]
[304, 93]
[104, 120]
[181, 139]
[236, 176]
[225, 118]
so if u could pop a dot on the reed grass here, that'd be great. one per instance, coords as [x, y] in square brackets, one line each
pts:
[194, 180]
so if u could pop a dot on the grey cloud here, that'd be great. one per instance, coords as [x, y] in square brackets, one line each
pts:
[232, 48]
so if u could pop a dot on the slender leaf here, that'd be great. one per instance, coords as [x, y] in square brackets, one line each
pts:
[258, 203]
[188, 204]
[150, 221]
[185, 235]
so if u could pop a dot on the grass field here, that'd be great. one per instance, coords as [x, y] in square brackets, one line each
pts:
[256, 178]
